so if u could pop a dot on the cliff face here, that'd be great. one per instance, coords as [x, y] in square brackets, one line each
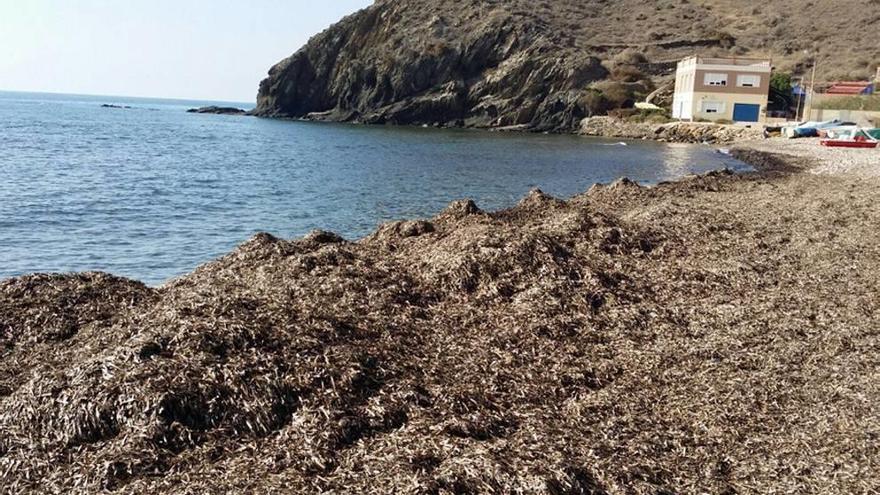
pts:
[391, 63]
[543, 65]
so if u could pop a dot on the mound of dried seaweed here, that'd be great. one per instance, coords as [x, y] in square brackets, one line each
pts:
[680, 339]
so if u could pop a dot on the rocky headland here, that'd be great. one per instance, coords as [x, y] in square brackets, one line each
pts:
[412, 63]
[711, 335]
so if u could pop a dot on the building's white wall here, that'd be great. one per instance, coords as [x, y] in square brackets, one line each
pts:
[682, 101]
[683, 106]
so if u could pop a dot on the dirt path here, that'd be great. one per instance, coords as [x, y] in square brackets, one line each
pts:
[714, 335]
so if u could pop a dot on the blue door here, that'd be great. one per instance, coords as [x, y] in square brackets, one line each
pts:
[746, 113]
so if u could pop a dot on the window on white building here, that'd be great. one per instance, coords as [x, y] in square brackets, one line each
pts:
[715, 79]
[713, 107]
[748, 80]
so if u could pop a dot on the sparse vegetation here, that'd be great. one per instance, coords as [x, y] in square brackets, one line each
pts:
[781, 95]
[865, 103]
[630, 56]
[595, 102]
[618, 94]
[627, 73]
[611, 94]
[636, 115]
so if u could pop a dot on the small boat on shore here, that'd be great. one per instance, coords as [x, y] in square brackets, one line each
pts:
[839, 132]
[813, 128]
[851, 138]
[848, 143]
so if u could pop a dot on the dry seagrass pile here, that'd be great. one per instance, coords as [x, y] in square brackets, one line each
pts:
[715, 335]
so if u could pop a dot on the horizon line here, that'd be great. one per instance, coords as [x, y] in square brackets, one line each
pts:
[95, 95]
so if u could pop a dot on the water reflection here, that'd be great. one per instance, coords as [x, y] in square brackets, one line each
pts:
[678, 159]
[163, 199]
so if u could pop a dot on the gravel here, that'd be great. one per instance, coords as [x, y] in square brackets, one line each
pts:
[823, 160]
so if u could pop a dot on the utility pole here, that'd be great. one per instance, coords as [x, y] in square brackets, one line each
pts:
[812, 89]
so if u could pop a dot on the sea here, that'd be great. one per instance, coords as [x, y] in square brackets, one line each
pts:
[149, 191]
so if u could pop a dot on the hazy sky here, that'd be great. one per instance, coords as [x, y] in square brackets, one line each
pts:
[203, 49]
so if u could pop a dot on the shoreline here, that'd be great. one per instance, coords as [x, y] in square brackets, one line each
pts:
[599, 127]
[719, 320]
[355, 239]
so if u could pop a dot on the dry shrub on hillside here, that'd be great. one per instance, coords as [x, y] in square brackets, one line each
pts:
[619, 94]
[629, 56]
[627, 73]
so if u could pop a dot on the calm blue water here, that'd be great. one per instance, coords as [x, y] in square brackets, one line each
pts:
[151, 192]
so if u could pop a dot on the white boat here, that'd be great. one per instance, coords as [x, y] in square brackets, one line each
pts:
[842, 132]
[810, 128]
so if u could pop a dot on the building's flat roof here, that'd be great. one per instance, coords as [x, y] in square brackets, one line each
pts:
[735, 61]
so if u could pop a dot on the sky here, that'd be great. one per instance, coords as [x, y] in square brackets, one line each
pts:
[191, 49]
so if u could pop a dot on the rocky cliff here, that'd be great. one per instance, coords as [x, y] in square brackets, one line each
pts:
[538, 65]
[395, 63]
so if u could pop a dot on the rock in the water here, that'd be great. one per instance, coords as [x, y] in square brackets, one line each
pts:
[218, 110]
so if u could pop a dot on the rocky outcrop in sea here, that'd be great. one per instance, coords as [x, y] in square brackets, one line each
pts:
[218, 110]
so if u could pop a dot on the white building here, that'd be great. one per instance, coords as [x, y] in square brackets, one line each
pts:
[734, 89]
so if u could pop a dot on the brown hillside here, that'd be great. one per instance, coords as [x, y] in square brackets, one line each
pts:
[546, 65]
